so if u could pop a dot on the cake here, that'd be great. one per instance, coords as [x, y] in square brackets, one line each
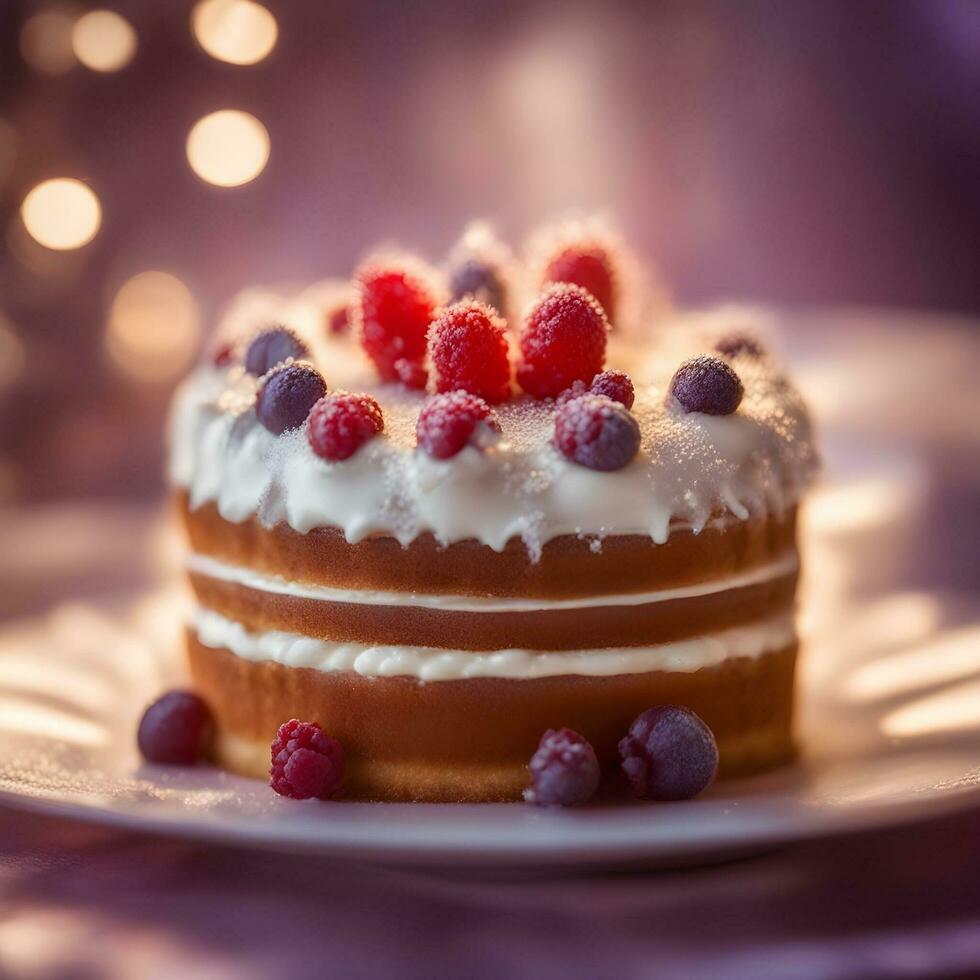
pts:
[436, 612]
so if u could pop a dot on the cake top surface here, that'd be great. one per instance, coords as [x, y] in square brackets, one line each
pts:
[514, 477]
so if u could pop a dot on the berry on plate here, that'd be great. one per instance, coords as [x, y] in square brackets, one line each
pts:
[306, 763]
[596, 432]
[669, 754]
[589, 265]
[339, 424]
[272, 347]
[176, 729]
[451, 421]
[564, 770]
[707, 384]
[468, 351]
[395, 306]
[287, 395]
[563, 341]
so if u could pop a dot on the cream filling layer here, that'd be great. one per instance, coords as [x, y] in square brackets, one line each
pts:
[251, 579]
[431, 664]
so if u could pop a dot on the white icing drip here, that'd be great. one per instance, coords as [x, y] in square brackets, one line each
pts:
[431, 664]
[690, 468]
[462, 603]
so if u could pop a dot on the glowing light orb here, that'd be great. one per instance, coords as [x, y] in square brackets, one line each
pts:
[45, 42]
[237, 31]
[154, 327]
[62, 213]
[228, 148]
[103, 41]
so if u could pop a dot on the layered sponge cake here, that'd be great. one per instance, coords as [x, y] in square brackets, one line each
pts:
[439, 533]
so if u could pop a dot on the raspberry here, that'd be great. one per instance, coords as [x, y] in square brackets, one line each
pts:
[669, 754]
[176, 729]
[468, 351]
[451, 421]
[477, 279]
[272, 347]
[739, 342]
[338, 320]
[306, 763]
[563, 341]
[588, 266]
[340, 424]
[707, 384]
[615, 385]
[412, 374]
[396, 308]
[564, 770]
[287, 395]
[596, 432]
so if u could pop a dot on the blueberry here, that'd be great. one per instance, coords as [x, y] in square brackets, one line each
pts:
[271, 347]
[707, 384]
[286, 397]
[669, 754]
[564, 770]
[479, 280]
[176, 729]
[596, 432]
[739, 342]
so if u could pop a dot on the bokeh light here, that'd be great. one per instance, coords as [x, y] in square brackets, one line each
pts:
[45, 41]
[11, 354]
[237, 31]
[154, 327]
[103, 41]
[62, 213]
[228, 148]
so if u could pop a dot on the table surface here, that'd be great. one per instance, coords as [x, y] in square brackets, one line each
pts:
[83, 901]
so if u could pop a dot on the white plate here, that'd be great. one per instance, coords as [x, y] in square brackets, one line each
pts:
[889, 722]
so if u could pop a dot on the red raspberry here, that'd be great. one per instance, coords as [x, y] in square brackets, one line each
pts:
[451, 421]
[615, 385]
[306, 763]
[588, 266]
[564, 770]
[396, 308]
[468, 351]
[412, 374]
[563, 341]
[596, 432]
[341, 423]
[176, 729]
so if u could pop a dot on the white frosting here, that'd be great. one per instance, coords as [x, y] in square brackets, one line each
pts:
[690, 468]
[251, 579]
[431, 664]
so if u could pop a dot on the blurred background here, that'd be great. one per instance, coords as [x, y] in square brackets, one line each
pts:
[157, 157]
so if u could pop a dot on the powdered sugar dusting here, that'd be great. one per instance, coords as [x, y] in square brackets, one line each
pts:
[690, 468]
